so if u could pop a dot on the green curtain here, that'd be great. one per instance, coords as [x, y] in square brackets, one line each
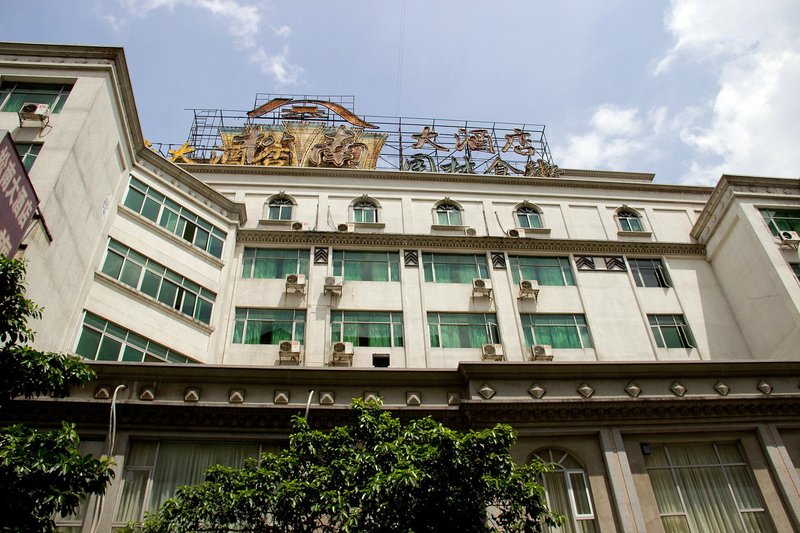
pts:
[553, 271]
[559, 331]
[453, 268]
[366, 266]
[462, 330]
[365, 328]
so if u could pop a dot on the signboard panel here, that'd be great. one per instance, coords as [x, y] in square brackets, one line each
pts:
[18, 200]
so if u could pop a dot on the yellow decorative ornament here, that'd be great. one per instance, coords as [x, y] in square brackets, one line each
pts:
[180, 155]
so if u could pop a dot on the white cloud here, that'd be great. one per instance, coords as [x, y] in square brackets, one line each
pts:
[754, 50]
[241, 20]
[277, 65]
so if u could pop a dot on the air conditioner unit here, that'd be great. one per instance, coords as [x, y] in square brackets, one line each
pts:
[289, 347]
[792, 238]
[541, 352]
[529, 288]
[296, 282]
[513, 233]
[34, 111]
[481, 286]
[300, 226]
[492, 352]
[342, 352]
[470, 232]
[349, 227]
[333, 284]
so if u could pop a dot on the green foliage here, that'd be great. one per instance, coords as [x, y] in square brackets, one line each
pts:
[41, 473]
[372, 475]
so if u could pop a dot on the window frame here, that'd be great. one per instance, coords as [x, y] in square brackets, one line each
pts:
[156, 271]
[548, 456]
[523, 212]
[657, 266]
[59, 91]
[29, 153]
[446, 208]
[341, 262]
[365, 205]
[683, 330]
[776, 217]
[298, 324]
[429, 263]
[434, 321]
[564, 267]
[625, 216]
[578, 322]
[251, 256]
[125, 338]
[394, 319]
[177, 220]
[284, 205]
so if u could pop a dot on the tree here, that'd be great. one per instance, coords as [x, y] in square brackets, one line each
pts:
[375, 474]
[41, 472]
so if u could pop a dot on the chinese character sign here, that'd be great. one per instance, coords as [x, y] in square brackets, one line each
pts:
[17, 198]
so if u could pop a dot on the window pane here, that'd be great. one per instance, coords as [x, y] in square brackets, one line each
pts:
[113, 265]
[132, 354]
[88, 343]
[109, 349]
[151, 209]
[581, 493]
[131, 503]
[130, 274]
[168, 293]
[203, 313]
[150, 283]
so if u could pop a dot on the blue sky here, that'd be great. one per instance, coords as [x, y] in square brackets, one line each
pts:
[687, 90]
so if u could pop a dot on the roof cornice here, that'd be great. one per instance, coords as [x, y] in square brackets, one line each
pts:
[397, 240]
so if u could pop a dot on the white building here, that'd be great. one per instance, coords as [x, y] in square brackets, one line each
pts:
[643, 336]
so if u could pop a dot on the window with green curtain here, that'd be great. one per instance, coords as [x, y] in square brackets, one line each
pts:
[13, 94]
[781, 220]
[528, 217]
[28, 152]
[272, 263]
[671, 331]
[367, 328]
[649, 273]
[705, 487]
[629, 220]
[268, 326]
[462, 330]
[159, 282]
[366, 266]
[566, 488]
[558, 331]
[159, 209]
[546, 270]
[159, 468]
[448, 215]
[101, 340]
[454, 268]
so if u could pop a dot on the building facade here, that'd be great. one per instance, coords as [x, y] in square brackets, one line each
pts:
[643, 337]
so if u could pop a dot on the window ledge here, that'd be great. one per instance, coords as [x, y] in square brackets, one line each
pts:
[447, 227]
[372, 225]
[535, 231]
[623, 233]
[152, 302]
[149, 224]
[273, 222]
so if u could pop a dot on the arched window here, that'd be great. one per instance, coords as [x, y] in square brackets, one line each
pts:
[448, 214]
[280, 208]
[528, 217]
[629, 220]
[567, 490]
[365, 211]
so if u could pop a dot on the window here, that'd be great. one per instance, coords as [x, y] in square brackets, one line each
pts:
[649, 273]
[268, 326]
[462, 330]
[156, 207]
[558, 331]
[365, 211]
[629, 220]
[280, 208]
[154, 470]
[270, 263]
[671, 331]
[448, 214]
[156, 281]
[366, 266]
[781, 220]
[367, 328]
[13, 94]
[796, 269]
[566, 488]
[528, 217]
[705, 487]
[454, 268]
[28, 153]
[73, 523]
[545, 270]
[101, 340]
